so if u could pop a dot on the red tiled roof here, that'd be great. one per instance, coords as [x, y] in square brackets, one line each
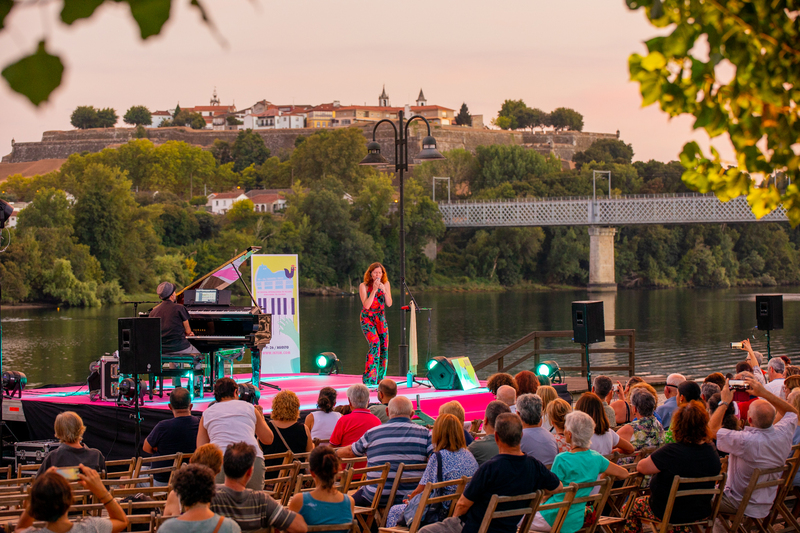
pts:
[220, 108]
[161, 113]
[265, 198]
[227, 195]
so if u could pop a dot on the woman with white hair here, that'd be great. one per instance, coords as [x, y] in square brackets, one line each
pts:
[69, 430]
[580, 465]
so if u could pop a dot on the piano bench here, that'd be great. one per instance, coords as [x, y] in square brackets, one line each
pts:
[180, 372]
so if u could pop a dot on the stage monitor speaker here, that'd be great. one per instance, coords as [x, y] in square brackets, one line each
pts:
[452, 373]
[139, 345]
[588, 322]
[563, 393]
[769, 311]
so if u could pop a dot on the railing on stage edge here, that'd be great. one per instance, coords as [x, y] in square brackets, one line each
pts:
[537, 336]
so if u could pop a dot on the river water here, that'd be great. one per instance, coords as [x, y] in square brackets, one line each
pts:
[685, 330]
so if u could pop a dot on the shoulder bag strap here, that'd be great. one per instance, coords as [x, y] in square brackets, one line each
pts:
[439, 474]
[219, 524]
[278, 431]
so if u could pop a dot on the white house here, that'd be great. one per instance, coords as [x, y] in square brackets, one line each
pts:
[18, 206]
[268, 203]
[158, 117]
[220, 202]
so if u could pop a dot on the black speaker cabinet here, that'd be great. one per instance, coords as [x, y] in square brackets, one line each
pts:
[588, 323]
[139, 345]
[769, 311]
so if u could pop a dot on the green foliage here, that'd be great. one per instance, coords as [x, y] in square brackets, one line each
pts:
[84, 117]
[248, 149]
[754, 102]
[500, 163]
[49, 209]
[61, 285]
[35, 76]
[463, 118]
[459, 165]
[186, 118]
[513, 111]
[233, 121]
[138, 115]
[332, 154]
[605, 151]
[563, 118]
[222, 152]
[106, 118]
[241, 213]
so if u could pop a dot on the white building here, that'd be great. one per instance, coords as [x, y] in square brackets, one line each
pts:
[158, 117]
[220, 202]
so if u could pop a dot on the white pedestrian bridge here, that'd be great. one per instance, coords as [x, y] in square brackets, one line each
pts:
[616, 211]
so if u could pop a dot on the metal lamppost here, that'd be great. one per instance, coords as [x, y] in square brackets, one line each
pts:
[374, 158]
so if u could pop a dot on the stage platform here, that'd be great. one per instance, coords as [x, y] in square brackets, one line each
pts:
[110, 428]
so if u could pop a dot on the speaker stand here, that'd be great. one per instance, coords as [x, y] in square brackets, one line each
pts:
[588, 368]
[421, 383]
[137, 419]
[769, 353]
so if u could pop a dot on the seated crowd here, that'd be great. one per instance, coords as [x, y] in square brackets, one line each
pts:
[530, 439]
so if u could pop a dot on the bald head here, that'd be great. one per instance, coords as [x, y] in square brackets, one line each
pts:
[400, 406]
[507, 395]
[387, 389]
[671, 388]
[761, 414]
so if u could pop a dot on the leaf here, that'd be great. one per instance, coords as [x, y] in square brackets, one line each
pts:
[78, 9]
[654, 61]
[150, 15]
[5, 9]
[35, 76]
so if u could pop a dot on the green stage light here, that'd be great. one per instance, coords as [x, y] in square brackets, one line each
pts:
[550, 370]
[432, 363]
[327, 363]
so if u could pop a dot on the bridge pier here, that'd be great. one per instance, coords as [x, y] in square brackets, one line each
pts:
[602, 276]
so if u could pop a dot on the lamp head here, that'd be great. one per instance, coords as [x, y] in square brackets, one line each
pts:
[429, 151]
[374, 156]
[327, 363]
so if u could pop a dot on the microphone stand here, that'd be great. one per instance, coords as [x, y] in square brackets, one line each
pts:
[410, 378]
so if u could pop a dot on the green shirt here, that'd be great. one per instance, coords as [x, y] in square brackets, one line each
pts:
[578, 467]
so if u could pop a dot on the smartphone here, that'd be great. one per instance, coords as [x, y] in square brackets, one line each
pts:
[69, 473]
[615, 387]
[736, 346]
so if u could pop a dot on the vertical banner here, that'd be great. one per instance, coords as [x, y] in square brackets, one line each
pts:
[275, 286]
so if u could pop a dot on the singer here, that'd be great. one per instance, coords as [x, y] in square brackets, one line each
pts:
[376, 295]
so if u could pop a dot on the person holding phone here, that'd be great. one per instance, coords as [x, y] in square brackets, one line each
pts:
[51, 498]
[376, 296]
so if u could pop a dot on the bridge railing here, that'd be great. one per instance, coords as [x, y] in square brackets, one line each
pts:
[536, 338]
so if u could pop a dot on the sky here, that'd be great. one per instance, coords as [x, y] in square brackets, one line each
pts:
[570, 53]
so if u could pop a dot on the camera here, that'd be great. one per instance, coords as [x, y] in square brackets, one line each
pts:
[736, 346]
[248, 393]
[737, 384]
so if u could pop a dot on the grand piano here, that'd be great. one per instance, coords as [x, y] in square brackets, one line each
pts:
[221, 330]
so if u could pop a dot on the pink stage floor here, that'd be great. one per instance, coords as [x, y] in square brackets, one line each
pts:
[306, 386]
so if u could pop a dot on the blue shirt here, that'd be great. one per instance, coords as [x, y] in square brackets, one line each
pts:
[397, 441]
[317, 513]
[665, 410]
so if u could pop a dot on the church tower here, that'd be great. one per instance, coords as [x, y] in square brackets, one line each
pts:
[421, 101]
[214, 99]
[383, 99]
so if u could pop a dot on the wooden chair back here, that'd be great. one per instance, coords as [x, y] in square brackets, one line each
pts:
[305, 483]
[358, 477]
[282, 485]
[406, 474]
[352, 527]
[760, 479]
[779, 507]
[27, 471]
[681, 487]
[528, 503]
[427, 498]
[144, 466]
[120, 468]
[548, 503]
[596, 500]
[285, 457]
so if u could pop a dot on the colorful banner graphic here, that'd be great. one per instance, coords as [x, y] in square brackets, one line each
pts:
[275, 288]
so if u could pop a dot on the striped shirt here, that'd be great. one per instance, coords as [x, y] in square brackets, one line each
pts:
[252, 510]
[397, 441]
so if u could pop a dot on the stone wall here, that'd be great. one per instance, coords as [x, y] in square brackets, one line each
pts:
[62, 144]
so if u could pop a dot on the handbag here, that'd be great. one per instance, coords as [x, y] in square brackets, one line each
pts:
[433, 513]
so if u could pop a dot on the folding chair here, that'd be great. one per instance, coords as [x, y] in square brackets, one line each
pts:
[144, 466]
[779, 507]
[525, 511]
[305, 483]
[666, 524]
[736, 522]
[547, 504]
[282, 485]
[597, 501]
[406, 474]
[427, 499]
[27, 471]
[357, 478]
[121, 468]
[352, 527]
[619, 502]
[321, 442]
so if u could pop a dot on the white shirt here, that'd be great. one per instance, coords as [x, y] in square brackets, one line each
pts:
[604, 444]
[324, 424]
[230, 422]
[776, 387]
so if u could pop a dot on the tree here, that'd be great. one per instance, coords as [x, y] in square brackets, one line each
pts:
[49, 209]
[138, 115]
[233, 121]
[177, 111]
[198, 122]
[755, 102]
[335, 154]
[248, 149]
[501, 163]
[513, 110]
[463, 118]
[84, 117]
[241, 213]
[605, 151]
[564, 118]
[222, 151]
[536, 118]
[107, 118]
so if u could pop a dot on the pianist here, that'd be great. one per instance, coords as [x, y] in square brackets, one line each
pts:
[174, 322]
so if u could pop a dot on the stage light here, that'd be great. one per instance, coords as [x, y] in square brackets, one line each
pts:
[127, 389]
[550, 370]
[14, 381]
[327, 363]
[249, 393]
[432, 363]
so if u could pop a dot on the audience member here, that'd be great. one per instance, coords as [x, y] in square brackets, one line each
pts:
[387, 389]
[456, 409]
[292, 434]
[785, 359]
[794, 399]
[485, 448]
[776, 372]
[325, 505]
[604, 388]
[744, 366]
[622, 406]
[352, 427]
[730, 420]
[743, 398]
[789, 384]
[229, 420]
[397, 441]
[707, 390]
[195, 487]
[605, 439]
[792, 370]
[449, 446]
[547, 394]
[527, 382]
[495, 381]
[692, 456]
[755, 359]
[649, 388]
[508, 395]
[536, 441]
[509, 473]
[207, 455]
[69, 430]
[178, 434]
[579, 465]
[716, 378]
[688, 391]
[645, 430]
[322, 422]
[51, 498]
[764, 444]
[252, 510]
[557, 412]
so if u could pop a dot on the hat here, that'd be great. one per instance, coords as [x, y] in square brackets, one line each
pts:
[759, 358]
[165, 290]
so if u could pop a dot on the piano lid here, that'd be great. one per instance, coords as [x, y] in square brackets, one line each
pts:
[223, 276]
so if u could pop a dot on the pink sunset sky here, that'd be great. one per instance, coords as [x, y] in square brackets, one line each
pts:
[571, 53]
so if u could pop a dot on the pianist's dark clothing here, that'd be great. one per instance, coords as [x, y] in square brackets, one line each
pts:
[173, 334]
